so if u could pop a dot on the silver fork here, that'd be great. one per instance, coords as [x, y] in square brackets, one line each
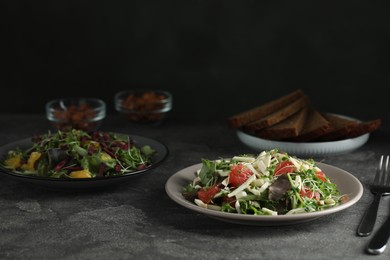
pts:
[378, 188]
[379, 241]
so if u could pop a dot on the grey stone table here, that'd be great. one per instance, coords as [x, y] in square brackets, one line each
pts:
[137, 220]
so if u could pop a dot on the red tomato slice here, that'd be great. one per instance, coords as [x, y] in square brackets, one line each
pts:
[321, 175]
[207, 195]
[306, 192]
[284, 167]
[239, 174]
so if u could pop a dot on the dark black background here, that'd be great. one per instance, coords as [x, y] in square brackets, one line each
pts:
[217, 58]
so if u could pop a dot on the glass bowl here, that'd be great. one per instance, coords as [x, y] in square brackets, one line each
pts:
[78, 113]
[143, 106]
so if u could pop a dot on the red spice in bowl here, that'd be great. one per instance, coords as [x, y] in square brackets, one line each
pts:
[143, 106]
[78, 113]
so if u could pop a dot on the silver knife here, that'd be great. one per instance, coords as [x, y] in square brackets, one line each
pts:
[379, 241]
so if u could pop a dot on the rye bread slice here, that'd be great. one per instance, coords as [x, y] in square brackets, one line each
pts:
[341, 126]
[315, 126]
[264, 110]
[363, 128]
[277, 116]
[290, 127]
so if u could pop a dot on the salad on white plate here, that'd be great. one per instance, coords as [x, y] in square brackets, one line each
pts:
[270, 183]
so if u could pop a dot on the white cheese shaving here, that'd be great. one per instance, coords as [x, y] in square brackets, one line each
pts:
[255, 203]
[206, 206]
[237, 206]
[298, 182]
[214, 207]
[223, 173]
[253, 170]
[296, 163]
[225, 182]
[262, 162]
[266, 160]
[241, 195]
[242, 186]
[261, 166]
[196, 180]
[258, 182]
[264, 186]
[269, 212]
[296, 211]
[253, 191]
[244, 159]
[200, 203]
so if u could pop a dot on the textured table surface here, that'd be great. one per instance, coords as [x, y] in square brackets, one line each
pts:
[137, 219]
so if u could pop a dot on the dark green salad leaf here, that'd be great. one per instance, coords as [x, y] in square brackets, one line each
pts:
[78, 154]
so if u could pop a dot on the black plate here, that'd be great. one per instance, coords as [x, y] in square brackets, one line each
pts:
[80, 184]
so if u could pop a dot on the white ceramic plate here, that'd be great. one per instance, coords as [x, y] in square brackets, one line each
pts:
[307, 149]
[346, 183]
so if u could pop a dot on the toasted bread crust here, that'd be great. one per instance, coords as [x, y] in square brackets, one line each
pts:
[341, 126]
[277, 116]
[364, 128]
[259, 112]
[315, 126]
[288, 128]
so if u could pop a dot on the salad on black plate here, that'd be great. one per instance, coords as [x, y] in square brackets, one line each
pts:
[78, 154]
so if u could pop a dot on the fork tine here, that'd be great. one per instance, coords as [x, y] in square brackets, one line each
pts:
[383, 173]
[378, 172]
[387, 172]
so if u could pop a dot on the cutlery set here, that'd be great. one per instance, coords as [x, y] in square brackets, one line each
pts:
[380, 187]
